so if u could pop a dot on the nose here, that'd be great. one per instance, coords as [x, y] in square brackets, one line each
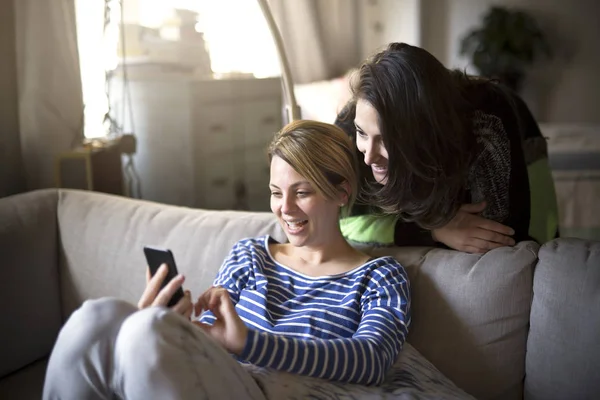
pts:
[371, 153]
[287, 204]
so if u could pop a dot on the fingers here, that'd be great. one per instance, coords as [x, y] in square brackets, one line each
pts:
[163, 297]
[148, 275]
[474, 208]
[482, 241]
[491, 236]
[202, 302]
[495, 227]
[215, 299]
[472, 249]
[483, 245]
[202, 325]
[184, 306]
[484, 223]
[199, 306]
[152, 286]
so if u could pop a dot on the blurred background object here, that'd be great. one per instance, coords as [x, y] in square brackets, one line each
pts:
[505, 45]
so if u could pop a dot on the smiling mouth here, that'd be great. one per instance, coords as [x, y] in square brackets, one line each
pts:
[378, 169]
[294, 225]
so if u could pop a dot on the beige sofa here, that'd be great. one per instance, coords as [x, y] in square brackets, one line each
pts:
[516, 322]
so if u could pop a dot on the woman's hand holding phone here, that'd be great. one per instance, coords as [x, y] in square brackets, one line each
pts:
[154, 296]
[228, 330]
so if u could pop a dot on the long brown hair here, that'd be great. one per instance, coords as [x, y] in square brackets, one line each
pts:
[424, 120]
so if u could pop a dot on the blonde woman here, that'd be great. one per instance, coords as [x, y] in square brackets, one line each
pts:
[313, 306]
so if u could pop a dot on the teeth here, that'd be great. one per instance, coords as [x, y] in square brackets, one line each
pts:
[295, 224]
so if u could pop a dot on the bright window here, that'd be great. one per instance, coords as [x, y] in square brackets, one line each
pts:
[235, 34]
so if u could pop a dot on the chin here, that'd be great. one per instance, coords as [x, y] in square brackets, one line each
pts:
[296, 241]
[382, 180]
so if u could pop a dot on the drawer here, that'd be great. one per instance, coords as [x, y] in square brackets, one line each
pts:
[218, 196]
[220, 179]
[260, 202]
[257, 168]
[261, 119]
[210, 91]
[214, 129]
[256, 88]
[235, 180]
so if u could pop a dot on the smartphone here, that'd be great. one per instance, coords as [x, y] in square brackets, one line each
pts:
[155, 257]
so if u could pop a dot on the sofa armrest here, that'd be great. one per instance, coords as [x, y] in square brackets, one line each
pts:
[30, 294]
[563, 352]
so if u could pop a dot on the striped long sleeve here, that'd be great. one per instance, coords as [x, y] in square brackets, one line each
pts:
[364, 358]
[348, 327]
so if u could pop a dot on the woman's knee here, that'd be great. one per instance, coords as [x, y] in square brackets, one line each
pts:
[102, 314]
[96, 320]
[88, 334]
[144, 326]
[152, 332]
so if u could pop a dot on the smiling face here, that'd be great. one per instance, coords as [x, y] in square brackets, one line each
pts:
[369, 140]
[307, 217]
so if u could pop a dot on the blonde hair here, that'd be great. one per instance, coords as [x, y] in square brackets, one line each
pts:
[321, 153]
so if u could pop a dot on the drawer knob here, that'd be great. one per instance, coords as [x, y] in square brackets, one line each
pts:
[219, 182]
[217, 128]
[268, 120]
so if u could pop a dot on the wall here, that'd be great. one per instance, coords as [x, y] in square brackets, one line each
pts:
[11, 178]
[385, 21]
[564, 90]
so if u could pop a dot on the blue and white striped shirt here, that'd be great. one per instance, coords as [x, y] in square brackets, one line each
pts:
[348, 327]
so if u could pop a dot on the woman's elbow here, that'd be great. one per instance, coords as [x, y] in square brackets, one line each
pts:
[380, 370]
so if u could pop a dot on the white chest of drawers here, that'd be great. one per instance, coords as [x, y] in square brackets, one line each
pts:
[233, 122]
[202, 143]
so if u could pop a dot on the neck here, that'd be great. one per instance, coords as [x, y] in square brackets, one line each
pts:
[334, 249]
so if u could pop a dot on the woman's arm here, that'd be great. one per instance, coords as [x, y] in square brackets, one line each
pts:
[364, 358]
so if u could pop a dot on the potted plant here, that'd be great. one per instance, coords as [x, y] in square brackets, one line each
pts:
[505, 44]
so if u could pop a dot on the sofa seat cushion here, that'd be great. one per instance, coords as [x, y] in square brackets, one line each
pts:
[470, 314]
[563, 348]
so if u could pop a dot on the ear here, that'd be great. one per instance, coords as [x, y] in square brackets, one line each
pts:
[344, 195]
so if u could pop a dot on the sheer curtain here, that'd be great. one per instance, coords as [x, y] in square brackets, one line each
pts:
[49, 85]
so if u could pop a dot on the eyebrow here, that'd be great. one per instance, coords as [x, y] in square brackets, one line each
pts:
[271, 185]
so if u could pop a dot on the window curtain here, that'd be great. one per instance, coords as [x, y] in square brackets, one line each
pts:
[12, 180]
[50, 106]
[321, 37]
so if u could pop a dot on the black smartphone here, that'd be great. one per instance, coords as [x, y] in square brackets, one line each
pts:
[155, 258]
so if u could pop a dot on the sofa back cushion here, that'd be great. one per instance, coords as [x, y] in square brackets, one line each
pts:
[30, 294]
[471, 314]
[102, 239]
[563, 348]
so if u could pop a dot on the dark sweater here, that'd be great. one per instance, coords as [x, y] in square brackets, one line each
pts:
[498, 173]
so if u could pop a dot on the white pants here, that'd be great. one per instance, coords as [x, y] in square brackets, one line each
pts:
[110, 350]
